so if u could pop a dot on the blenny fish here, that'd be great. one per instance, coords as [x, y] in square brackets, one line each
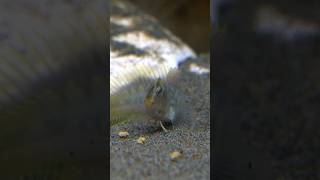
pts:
[144, 68]
[148, 96]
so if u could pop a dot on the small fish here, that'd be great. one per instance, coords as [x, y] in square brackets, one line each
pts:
[149, 94]
[143, 65]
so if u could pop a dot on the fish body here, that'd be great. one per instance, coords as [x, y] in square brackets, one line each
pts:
[144, 57]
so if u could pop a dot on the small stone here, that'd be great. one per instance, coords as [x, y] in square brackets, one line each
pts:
[141, 140]
[123, 134]
[175, 155]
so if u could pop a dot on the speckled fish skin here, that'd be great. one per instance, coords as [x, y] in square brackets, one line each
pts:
[141, 50]
[52, 84]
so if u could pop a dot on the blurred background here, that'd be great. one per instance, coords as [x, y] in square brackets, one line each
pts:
[266, 61]
[53, 89]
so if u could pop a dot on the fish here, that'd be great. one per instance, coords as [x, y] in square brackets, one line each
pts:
[149, 95]
[142, 60]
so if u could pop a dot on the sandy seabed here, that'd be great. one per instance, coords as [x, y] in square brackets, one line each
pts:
[151, 160]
